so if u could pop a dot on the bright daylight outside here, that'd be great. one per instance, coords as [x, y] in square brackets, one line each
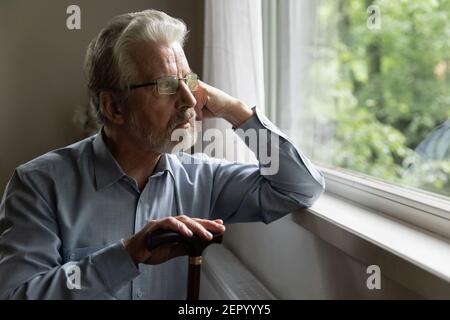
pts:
[377, 99]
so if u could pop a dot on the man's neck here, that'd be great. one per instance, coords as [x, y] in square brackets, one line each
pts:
[135, 161]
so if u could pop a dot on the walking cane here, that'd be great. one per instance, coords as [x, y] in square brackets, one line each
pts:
[195, 246]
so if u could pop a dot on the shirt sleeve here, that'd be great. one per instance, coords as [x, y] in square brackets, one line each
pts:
[30, 260]
[284, 179]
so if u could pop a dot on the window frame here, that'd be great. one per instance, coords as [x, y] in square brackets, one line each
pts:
[423, 209]
[420, 208]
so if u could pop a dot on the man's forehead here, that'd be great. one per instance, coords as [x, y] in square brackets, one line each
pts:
[156, 60]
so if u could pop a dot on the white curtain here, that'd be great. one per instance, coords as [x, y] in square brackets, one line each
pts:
[289, 29]
[233, 57]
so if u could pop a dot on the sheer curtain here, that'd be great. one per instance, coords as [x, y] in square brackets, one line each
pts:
[233, 61]
[289, 29]
[233, 57]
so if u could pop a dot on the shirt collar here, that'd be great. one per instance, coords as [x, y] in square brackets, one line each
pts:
[106, 169]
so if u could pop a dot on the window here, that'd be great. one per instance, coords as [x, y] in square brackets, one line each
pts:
[364, 86]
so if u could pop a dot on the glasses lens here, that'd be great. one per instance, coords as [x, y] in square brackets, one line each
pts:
[167, 85]
[192, 81]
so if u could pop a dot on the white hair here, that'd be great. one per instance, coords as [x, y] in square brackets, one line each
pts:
[108, 63]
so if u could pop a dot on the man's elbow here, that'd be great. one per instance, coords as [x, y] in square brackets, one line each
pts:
[315, 190]
[319, 189]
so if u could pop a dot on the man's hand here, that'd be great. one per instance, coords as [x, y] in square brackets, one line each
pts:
[137, 244]
[212, 102]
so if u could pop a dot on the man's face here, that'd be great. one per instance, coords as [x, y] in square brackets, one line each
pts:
[150, 117]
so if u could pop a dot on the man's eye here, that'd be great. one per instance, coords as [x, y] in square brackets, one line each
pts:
[166, 84]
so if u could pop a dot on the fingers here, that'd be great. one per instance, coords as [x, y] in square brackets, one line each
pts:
[171, 223]
[188, 226]
[196, 227]
[198, 114]
[184, 225]
[207, 114]
[212, 225]
[201, 95]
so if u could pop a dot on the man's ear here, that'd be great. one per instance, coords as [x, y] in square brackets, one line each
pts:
[110, 108]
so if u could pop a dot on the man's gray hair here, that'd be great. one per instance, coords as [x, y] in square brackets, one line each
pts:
[108, 64]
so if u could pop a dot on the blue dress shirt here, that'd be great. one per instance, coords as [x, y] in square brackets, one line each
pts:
[71, 207]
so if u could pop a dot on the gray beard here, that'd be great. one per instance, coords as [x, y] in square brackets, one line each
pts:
[163, 143]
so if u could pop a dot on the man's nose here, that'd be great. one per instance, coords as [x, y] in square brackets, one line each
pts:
[187, 98]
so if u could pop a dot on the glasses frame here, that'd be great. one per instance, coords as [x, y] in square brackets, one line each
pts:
[157, 81]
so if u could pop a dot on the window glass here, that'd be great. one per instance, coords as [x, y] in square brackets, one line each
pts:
[375, 98]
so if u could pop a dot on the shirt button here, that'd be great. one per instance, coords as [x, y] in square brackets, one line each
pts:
[139, 293]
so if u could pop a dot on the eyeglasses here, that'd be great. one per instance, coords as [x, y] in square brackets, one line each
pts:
[170, 85]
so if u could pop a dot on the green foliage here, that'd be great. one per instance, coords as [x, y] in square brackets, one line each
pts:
[389, 87]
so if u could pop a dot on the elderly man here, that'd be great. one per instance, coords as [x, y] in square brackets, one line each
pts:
[91, 205]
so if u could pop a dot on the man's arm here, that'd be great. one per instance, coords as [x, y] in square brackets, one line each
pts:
[30, 261]
[281, 183]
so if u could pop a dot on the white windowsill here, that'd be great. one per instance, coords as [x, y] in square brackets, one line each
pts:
[416, 258]
[419, 208]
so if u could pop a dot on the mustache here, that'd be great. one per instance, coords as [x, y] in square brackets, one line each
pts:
[181, 117]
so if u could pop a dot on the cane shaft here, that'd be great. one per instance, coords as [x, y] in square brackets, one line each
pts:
[194, 245]
[195, 264]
